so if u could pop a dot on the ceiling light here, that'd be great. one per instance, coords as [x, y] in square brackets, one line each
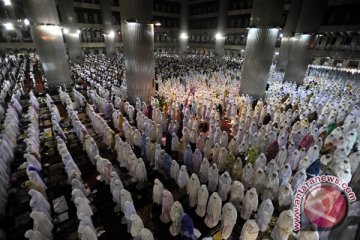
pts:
[158, 24]
[219, 36]
[7, 2]
[281, 35]
[66, 31]
[111, 34]
[78, 31]
[26, 22]
[183, 36]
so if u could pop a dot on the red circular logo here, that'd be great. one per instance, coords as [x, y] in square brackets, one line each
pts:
[325, 206]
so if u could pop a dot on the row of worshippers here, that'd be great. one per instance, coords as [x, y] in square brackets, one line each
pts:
[7, 147]
[80, 192]
[121, 197]
[40, 206]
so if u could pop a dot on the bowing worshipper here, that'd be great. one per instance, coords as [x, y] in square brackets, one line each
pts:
[192, 189]
[33, 175]
[167, 202]
[83, 207]
[77, 184]
[250, 204]
[36, 186]
[42, 224]
[202, 200]
[249, 231]
[176, 214]
[284, 225]
[213, 178]
[86, 233]
[228, 220]
[136, 226]
[39, 203]
[129, 209]
[213, 212]
[183, 177]
[34, 235]
[125, 195]
[264, 215]
[224, 186]
[158, 189]
[115, 190]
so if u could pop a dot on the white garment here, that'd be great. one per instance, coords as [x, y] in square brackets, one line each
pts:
[136, 226]
[204, 169]
[146, 234]
[283, 226]
[285, 196]
[167, 202]
[174, 170]
[193, 187]
[34, 235]
[176, 214]
[228, 220]
[271, 186]
[213, 212]
[42, 224]
[213, 178]
[183, 177]
[224, 186]
[250, 203]
[264, 214]
[202, 199]
[250, 230]
[236, 193]
[157, 191]
[125, 195]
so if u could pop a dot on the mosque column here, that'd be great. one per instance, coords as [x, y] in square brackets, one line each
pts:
[308, 24]
[107, 19]
[138, 40]
[260, 46]
[184, 26]
[49, 42]
[288, 34]
[71, 34]
[220, 30]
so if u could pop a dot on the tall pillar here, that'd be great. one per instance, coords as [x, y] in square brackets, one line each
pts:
[288, 34]
[49, 41]
[138, 39]
[184, 26]
[308, 23]
[220, 30]
[71, 34]
[260, 46]
[109, 35]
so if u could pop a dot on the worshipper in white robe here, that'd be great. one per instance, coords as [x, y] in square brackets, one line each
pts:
[167, 202]
[215, 152]
[213, 178]
[285, 195]
[202, 199]
[294, 159]
[146, 234]
[34, 176]
[260, 161]
[264, 214]
[192, 189]
[224, 139]
[183, 177]
[140, 172]
[271, 186]
[204, 169]
[34, 235]
[213, 212]
[118, 186]
[281, 156]
[42, 224]
[125, 195]
[136, 226]
[86, 233]
[298, 179]
[196, 160]
[83, 207]
[174, 170]
[250, 230]
[236, 193]
[247, 176]
[250, 204]
[76, 184]
[129, 209]
[228, 220]
[284, 226]
[308, 233]
[39, 203]
[237, 169]
[176, 214]
[224, 186]
[285, 174]
[158, 189]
